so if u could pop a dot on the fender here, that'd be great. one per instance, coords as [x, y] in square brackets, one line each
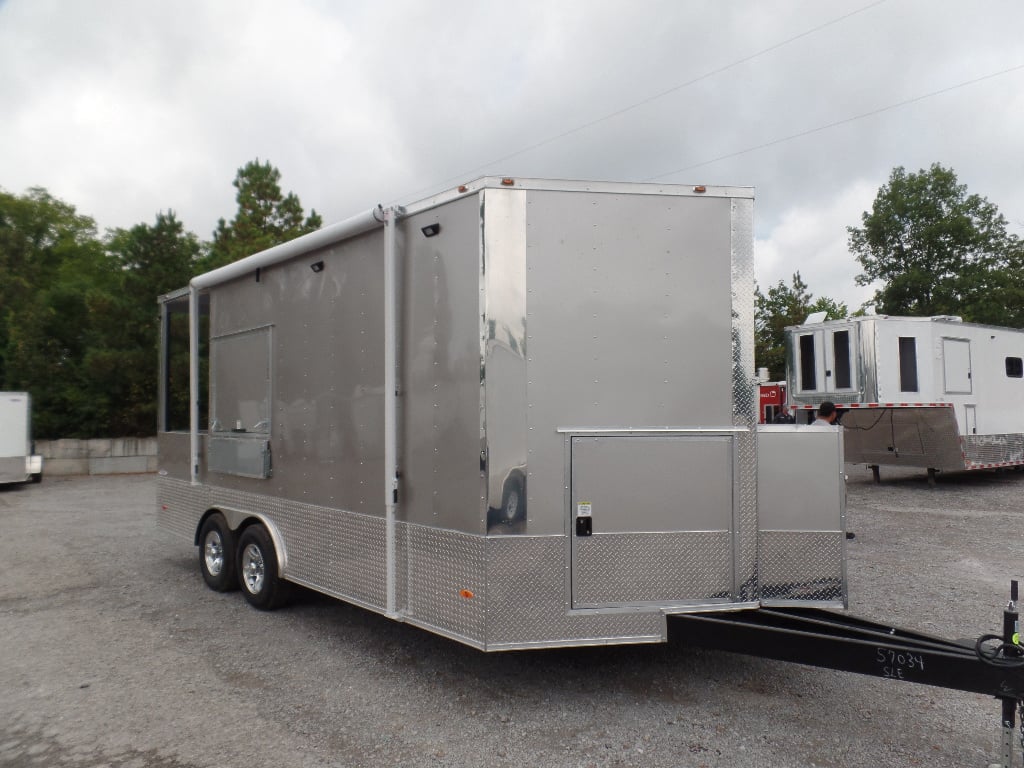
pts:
[236, 518]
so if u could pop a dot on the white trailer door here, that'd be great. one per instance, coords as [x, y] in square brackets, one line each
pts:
[970, 420]
[956, 366]
[652, 519]
[825, 360]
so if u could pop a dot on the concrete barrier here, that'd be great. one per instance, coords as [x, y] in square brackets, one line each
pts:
[104, 456]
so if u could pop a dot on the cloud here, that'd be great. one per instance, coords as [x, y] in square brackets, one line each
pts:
[812, 240]
[125, 108]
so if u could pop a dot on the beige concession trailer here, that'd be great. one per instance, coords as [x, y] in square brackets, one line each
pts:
[518, 413]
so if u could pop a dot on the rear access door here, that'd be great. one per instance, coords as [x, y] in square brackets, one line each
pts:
[652, 519]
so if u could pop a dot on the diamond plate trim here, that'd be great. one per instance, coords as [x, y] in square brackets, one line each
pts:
[802, 566]
[745, 395]
[528, 600]
[994, 449]
[617, 569]
[180, 505]
[441, 565]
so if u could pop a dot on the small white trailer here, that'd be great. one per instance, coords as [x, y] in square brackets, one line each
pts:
[18, 462]
[929, 392]
[519, 413]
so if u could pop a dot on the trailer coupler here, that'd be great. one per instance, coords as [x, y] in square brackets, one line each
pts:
[992, 665]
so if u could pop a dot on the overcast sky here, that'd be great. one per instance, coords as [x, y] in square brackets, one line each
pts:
[124, 108]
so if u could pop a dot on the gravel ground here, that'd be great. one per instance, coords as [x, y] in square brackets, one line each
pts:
[114, 653]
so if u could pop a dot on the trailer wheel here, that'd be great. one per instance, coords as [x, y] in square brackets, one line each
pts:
[217, 554]
[257, 569]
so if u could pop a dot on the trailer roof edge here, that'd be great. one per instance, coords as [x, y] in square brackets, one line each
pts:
[356, 225]
[575, 185]
[371, 219]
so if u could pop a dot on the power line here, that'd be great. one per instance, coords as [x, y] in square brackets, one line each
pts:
[649, 99]
[837, 123]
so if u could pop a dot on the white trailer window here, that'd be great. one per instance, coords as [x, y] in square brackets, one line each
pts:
[908, 364]
[1015, 367]
[843, 378]
[808, 364]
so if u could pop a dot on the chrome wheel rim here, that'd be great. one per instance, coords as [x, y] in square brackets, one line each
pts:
[213, 553]
[253, 569]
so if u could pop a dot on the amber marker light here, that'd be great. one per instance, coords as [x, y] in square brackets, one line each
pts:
[463, 188]
[508, 182]
[700, 189]
[468, 594]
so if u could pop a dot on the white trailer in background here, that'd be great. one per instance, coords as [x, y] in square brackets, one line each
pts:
[17, 462]
[929, 392]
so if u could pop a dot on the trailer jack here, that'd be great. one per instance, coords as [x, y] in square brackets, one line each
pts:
[991, 665]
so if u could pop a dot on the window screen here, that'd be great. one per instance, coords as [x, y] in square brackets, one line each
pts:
[841, 356]
[1015, 368]
[807, 363]
[908, 364]
[240, 382]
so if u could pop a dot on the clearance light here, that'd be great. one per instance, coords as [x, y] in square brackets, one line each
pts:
[463, 187]
[468, 594]
[700, 189]
[508, 182]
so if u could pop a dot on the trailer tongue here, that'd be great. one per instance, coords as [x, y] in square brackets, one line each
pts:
[991, 665]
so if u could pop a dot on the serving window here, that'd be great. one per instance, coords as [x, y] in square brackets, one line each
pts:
[240, 380]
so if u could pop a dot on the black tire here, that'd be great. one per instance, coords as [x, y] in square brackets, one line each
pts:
[37, 477]
[217, 554]
[256, 563]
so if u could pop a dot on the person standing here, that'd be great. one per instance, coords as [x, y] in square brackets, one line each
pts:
[826, 415]
[783, 416]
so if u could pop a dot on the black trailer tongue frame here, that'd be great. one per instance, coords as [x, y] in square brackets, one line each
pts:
[991, 665]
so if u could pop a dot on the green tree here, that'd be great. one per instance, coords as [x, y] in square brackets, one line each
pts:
[153, 260]
[265, 217]
[50, 337]
[78, 315]
[938, 250]
[782, 306]
[53, 274]
[37, 234]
